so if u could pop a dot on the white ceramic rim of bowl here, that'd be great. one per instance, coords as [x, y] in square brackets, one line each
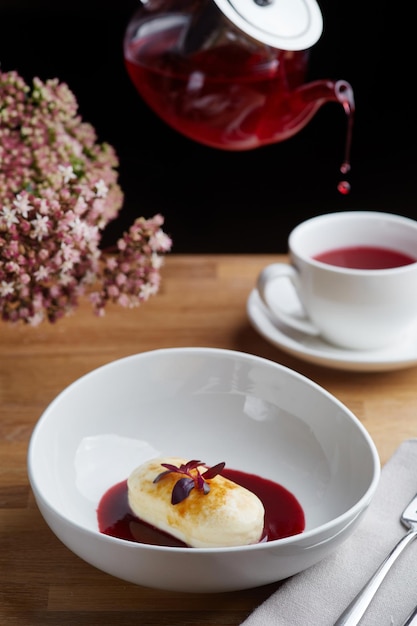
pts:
[321, 532]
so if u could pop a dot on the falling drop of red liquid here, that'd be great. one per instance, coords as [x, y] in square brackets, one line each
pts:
[343, 187]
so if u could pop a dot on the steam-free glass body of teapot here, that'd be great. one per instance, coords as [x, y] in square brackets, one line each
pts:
[230, 73]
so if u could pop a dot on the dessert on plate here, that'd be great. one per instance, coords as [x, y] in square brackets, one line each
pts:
[195, 503]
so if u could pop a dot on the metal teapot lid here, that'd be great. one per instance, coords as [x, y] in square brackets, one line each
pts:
[284, 24]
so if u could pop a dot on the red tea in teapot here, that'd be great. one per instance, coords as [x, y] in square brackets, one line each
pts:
[227, 97]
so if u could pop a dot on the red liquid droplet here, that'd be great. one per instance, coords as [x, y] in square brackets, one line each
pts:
[343, 187]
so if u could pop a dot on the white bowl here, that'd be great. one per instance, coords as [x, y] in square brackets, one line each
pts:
[210, 404]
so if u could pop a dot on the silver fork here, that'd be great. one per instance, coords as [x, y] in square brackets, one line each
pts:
[353, 613]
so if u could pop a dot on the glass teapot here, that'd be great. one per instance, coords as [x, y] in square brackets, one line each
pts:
[230, 73]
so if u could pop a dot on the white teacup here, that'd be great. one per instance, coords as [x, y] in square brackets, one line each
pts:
[352, 307]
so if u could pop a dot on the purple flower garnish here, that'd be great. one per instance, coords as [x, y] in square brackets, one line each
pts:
[183, 486]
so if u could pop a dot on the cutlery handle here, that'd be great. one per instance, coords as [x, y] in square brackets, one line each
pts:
[411, 619]
[355, 610]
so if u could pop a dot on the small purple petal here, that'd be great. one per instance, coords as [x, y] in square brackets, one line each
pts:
[181, 490]
[174, 468]
[192, 465]
[213, 471]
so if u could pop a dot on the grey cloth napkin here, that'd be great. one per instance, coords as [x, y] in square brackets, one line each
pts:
[317, 596]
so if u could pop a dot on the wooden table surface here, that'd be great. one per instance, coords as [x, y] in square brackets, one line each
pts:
[202, 302]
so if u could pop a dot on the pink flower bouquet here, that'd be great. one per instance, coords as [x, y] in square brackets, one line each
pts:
[58, 191]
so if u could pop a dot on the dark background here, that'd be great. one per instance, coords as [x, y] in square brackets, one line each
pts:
[240, 202]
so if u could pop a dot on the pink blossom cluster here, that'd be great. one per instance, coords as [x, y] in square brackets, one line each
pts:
[58, 191]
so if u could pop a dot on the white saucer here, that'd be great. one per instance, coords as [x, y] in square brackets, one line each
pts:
[316, 350]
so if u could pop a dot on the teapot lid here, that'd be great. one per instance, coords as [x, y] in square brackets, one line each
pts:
[284, 24]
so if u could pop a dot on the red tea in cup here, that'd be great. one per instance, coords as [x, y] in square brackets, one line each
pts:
[365, 257]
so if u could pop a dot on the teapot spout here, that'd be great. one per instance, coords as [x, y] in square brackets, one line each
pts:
[318, 92]
[344, 95]
[293, 113]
